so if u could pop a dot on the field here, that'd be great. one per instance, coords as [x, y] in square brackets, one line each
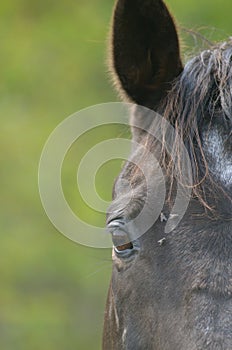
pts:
[53, 63]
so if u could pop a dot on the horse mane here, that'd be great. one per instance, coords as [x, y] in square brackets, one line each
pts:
[201, 93]
[200, 97]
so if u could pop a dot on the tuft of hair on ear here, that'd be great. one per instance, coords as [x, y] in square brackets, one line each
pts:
[113, 77]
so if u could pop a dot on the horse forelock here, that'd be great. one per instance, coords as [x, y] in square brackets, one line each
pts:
[200, 99]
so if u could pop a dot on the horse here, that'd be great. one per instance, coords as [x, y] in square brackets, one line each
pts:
[171, 290]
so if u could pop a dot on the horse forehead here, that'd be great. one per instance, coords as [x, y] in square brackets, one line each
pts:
[220, 157]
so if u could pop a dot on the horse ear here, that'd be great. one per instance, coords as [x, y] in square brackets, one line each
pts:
[145, 50]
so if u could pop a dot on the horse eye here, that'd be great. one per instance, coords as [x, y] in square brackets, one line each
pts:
[127, 246]
[121, 242]
[120, 237]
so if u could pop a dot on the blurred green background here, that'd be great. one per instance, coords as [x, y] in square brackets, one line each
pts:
[52, 54]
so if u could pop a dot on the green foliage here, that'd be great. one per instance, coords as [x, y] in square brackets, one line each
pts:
[53, 56]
